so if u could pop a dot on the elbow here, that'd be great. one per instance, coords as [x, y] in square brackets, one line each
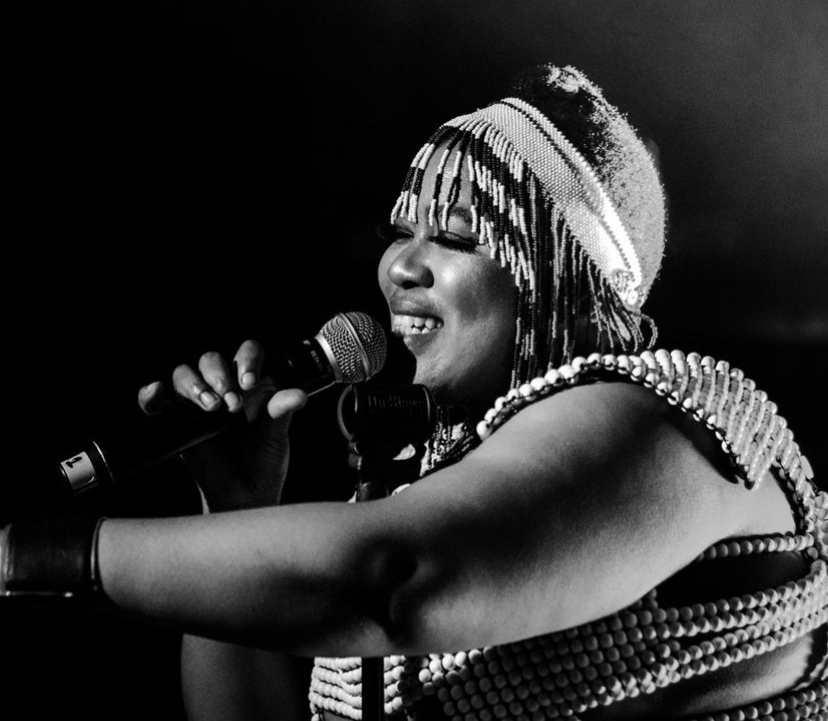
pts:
[401, 593]
[386, 569]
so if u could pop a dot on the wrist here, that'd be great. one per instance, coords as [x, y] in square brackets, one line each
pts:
[51, 558]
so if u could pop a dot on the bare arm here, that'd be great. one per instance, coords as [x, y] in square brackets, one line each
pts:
[573, 509]
[222, 680]
[227, 682]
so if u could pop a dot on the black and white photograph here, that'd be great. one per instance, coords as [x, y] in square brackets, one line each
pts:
[417, 361]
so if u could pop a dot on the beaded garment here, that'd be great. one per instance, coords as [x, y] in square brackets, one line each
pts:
[645, 647]
[574, 209]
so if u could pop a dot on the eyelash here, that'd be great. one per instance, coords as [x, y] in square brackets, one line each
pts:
[465, 245]
[389, 233]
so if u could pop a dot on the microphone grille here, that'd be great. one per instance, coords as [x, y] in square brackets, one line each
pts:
[358, 345]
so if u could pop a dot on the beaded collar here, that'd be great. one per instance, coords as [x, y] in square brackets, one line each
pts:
[645, 647]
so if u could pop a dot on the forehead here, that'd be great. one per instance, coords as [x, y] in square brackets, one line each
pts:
[445, 188]
[445, 167]
[457, 174]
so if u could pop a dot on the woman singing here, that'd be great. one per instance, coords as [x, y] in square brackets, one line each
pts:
[602, 529]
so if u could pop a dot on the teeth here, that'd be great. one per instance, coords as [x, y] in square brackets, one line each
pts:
[414, 324]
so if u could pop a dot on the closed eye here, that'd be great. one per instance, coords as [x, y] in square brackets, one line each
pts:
[392, 233]
[452, 241]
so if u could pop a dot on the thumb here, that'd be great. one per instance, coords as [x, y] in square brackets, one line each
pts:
[284, 403]
[152, 399]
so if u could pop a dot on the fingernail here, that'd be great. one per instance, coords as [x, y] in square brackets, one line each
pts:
[207, 398]
[232, 400]
[248, 380]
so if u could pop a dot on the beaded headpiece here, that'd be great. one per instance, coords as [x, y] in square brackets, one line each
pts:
[579, 221]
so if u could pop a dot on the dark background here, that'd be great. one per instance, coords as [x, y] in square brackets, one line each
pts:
[190, 174]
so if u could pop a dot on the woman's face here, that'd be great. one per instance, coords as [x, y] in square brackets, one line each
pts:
[453, 306]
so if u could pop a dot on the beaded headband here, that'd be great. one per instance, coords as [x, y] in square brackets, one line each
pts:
[521, 131]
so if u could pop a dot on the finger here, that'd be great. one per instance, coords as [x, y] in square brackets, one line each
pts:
[151, 398]
[249, 360]
[190, 385]
[285, 403]
[215, 370]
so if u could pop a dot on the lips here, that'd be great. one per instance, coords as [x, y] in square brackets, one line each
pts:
[413, 318]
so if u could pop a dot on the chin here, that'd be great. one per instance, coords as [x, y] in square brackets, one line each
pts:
[441, 387]
[447, 394]
[475, 391]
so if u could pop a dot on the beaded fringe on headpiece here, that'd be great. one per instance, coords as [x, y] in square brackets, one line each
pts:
[545, 214]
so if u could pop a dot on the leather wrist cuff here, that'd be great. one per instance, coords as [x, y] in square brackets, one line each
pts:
[54, 557]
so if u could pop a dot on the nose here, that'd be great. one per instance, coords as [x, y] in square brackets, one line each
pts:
[410, 266]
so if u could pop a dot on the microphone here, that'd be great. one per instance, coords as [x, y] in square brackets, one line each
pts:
[349, 348]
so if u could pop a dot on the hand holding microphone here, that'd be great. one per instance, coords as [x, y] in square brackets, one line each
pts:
[55, 557]
[232, 468]
[350, 348]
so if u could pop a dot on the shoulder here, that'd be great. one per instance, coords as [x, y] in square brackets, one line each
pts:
[617, 451]
[610, 423]
[593, 403]
[623, 443]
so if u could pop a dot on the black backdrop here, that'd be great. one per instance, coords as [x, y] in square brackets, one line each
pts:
[193, 174]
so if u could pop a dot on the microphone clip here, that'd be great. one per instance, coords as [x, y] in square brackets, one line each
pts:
[386, 427]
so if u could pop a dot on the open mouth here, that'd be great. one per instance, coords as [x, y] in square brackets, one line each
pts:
[410, 325]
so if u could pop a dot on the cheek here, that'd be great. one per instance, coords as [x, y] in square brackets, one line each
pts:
[382, 271]
[489, 293]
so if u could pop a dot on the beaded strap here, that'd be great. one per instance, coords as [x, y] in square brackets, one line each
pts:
[742, 417]
[811, 704]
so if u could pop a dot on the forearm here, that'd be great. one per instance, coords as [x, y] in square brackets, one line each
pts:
[276, 578]
[224, 682]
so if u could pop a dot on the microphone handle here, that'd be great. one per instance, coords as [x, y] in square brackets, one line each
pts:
[114, 457]
[305, 365]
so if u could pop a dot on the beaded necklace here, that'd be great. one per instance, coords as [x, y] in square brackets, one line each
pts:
[453, 439]
[645, 647]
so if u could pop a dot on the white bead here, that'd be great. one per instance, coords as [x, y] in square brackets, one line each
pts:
[553, 378]
[568, 373]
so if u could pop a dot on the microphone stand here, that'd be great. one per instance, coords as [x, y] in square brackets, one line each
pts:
[386, 428]
[374, 465]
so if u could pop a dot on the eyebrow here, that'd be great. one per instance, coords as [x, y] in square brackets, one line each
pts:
[463, 214]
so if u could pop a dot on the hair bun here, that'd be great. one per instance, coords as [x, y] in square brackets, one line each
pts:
[620, 158]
